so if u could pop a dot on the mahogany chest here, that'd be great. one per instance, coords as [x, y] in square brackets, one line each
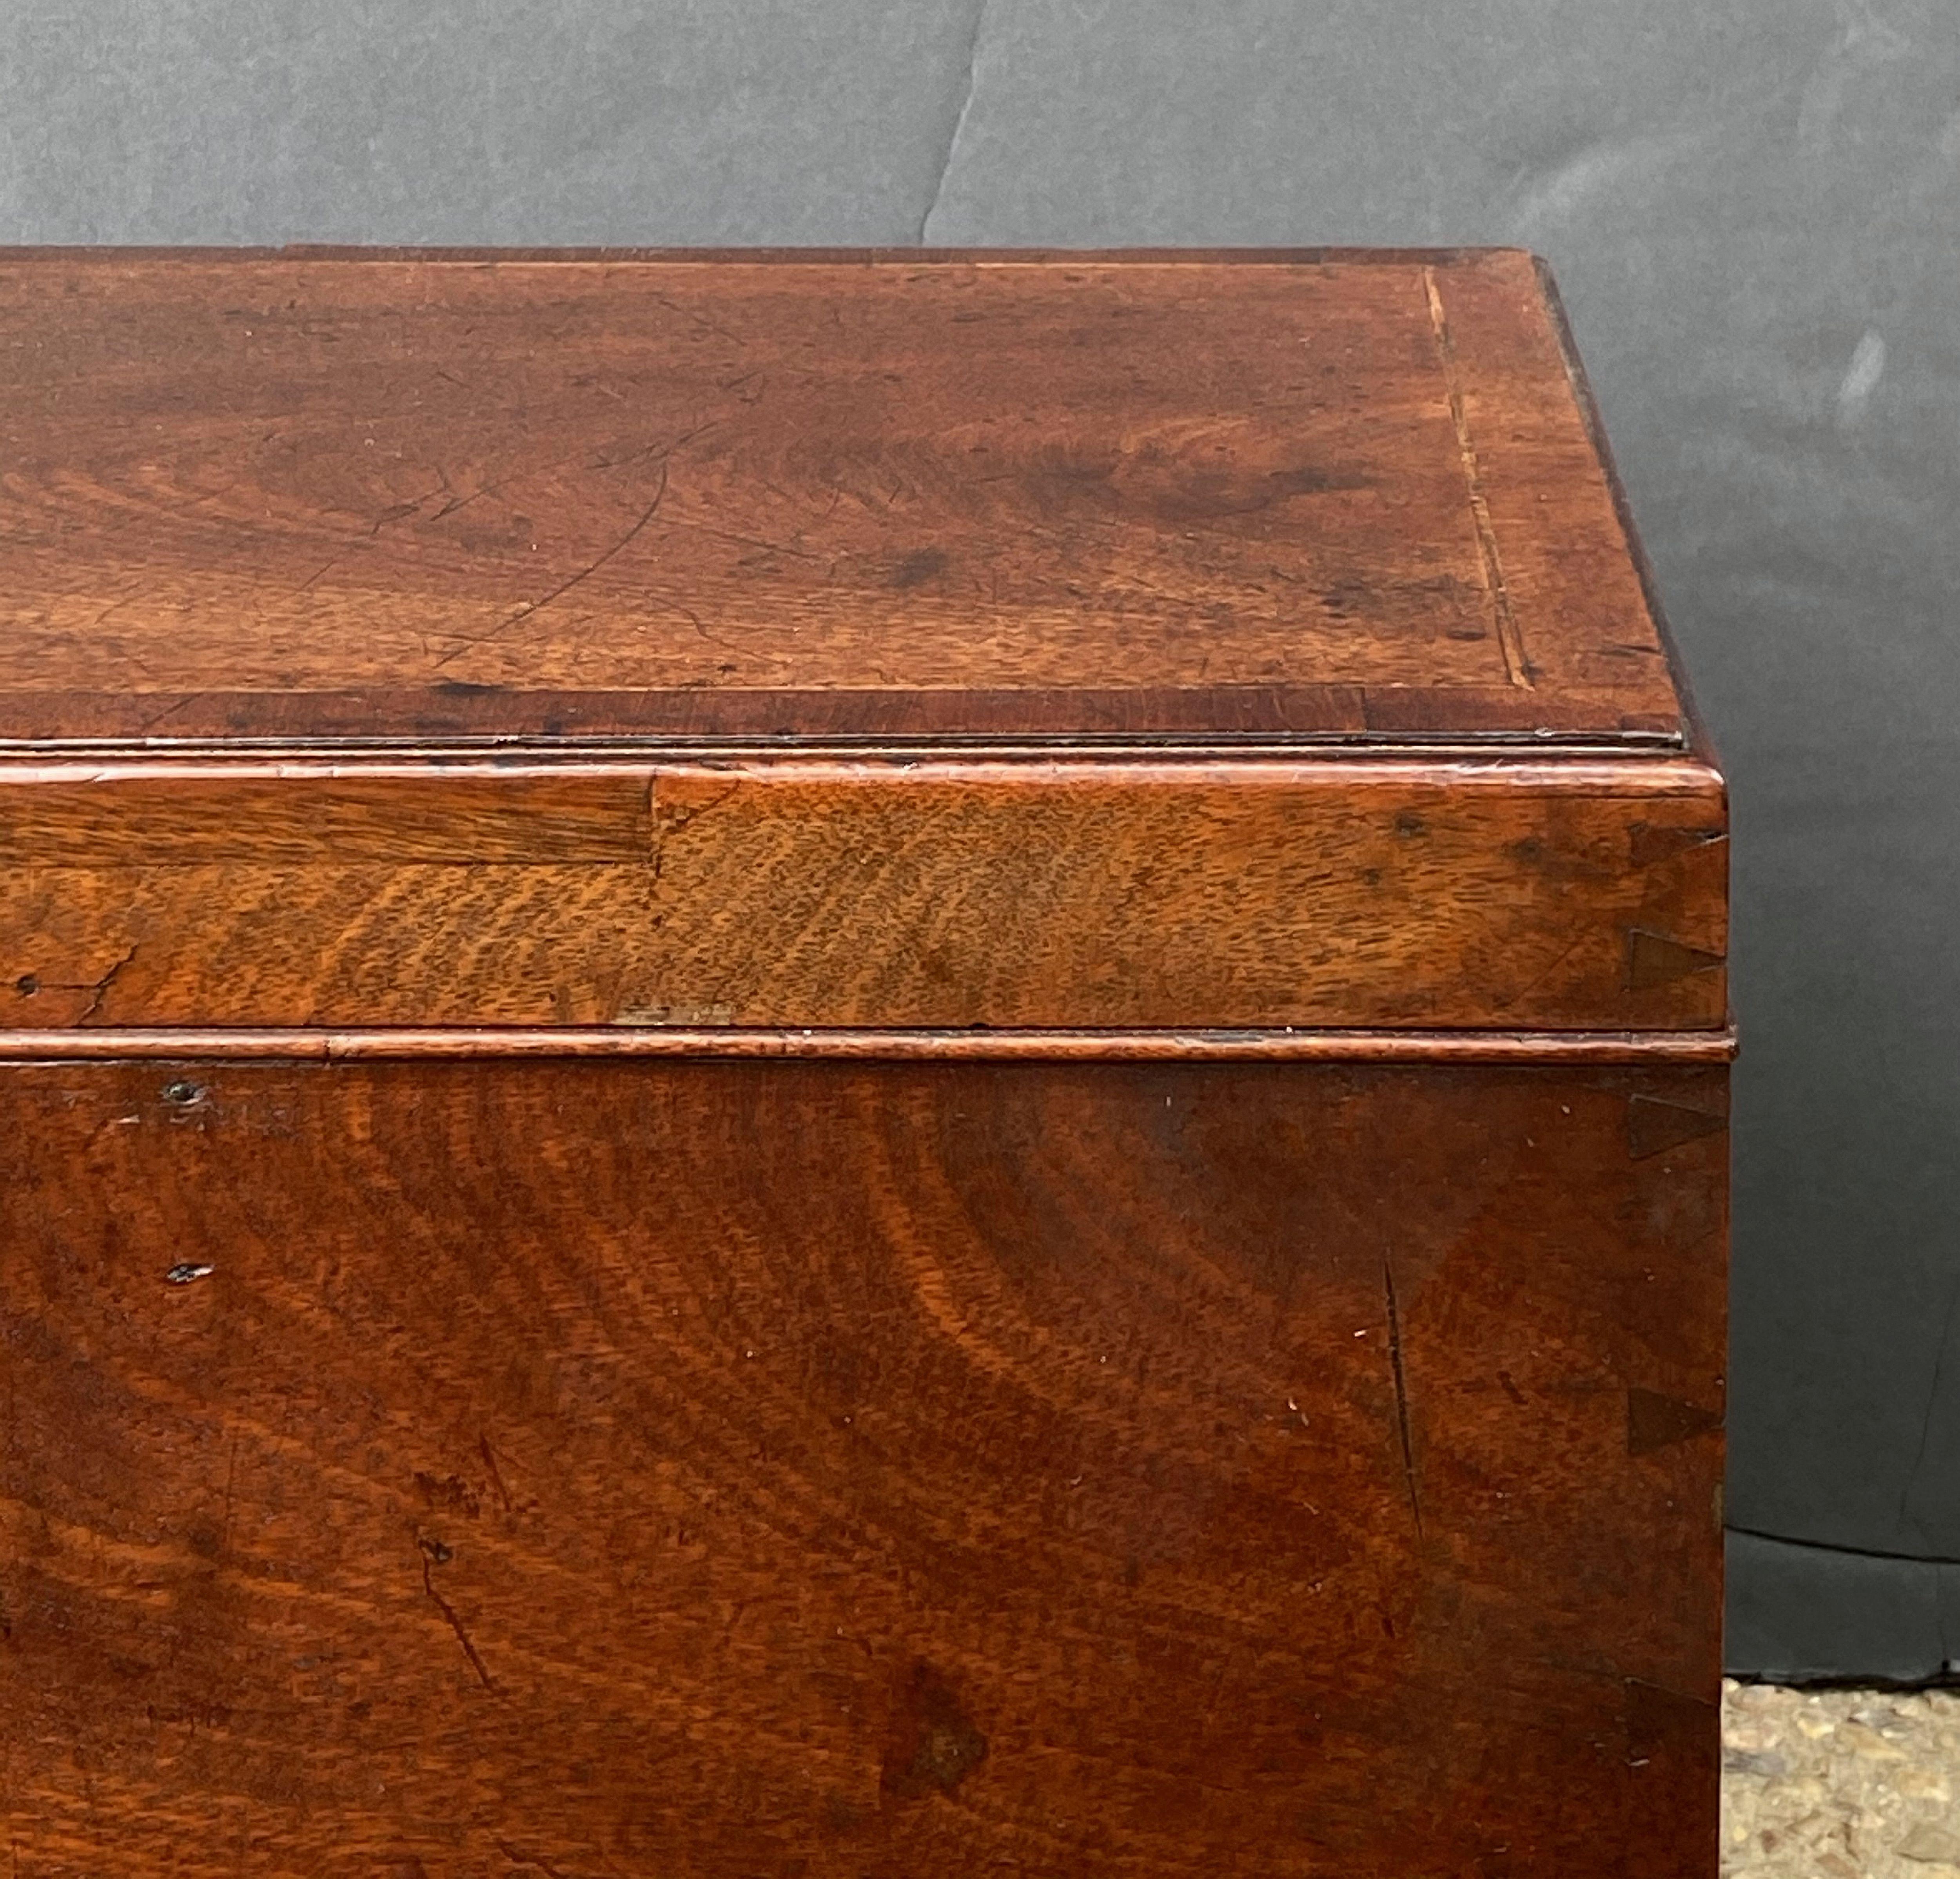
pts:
[846, 1064]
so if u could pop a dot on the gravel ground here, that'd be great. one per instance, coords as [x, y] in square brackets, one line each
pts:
[1840, 1784]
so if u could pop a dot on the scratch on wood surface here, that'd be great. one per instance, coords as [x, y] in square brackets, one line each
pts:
[1401, 1394]
[701, 321]
[332, 561]
[591, 567]
[1515, 664]
[170, 711]
[456, 502]
[231, 1474]
[496, 1473]
[586, 572]
[435, 1553]
[510, 1852]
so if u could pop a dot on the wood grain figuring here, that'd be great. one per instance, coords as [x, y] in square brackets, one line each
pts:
[832, 1469]
[805, 496]
[1558, 895]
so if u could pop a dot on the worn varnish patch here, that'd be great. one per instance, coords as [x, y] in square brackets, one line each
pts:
[1655, 1421]
[933, 1745]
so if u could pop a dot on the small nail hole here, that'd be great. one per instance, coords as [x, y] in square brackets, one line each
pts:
[182, 1091]
[27, 985]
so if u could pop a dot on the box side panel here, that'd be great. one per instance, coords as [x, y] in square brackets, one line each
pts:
[717, 1469]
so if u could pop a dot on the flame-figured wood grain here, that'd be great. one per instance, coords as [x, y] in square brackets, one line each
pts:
[770, 893]
[723, 1469]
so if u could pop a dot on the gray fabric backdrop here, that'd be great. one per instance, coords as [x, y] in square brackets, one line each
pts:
[1754, 208]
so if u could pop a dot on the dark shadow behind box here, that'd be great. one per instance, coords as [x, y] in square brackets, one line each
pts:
[846, 1064]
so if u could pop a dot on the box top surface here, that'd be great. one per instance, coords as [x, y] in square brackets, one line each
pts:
[311, 497]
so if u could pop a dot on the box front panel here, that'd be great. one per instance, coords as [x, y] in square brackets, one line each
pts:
[813, 1468]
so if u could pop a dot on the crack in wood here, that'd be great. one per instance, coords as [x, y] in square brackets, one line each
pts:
[1401, 1394]
[100, 987]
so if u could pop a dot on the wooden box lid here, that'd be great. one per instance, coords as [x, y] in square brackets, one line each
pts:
[1308, 496]
[1058, 639]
